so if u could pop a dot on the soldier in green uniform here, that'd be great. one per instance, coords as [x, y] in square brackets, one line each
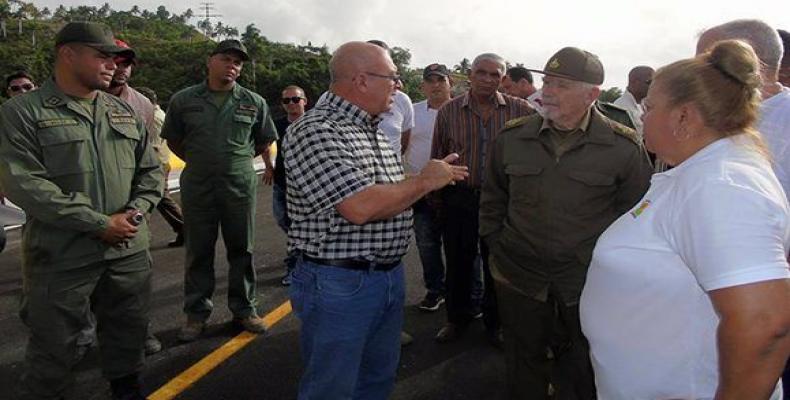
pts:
[78, 161]
[217, 127]
[554, 183]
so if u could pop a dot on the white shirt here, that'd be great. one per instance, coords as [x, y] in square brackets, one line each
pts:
[398, 119]
[635, 111]
[775, 127]
[717, 220]
[419, 151]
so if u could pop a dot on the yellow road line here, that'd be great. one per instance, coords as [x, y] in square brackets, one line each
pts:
[187, 378]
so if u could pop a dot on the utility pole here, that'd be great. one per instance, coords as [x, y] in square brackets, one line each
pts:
[208, 13]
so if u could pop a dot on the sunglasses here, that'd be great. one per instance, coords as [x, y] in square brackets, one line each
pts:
[294, 99]
[16, 88]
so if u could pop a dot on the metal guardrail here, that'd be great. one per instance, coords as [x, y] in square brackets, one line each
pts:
[12, 217]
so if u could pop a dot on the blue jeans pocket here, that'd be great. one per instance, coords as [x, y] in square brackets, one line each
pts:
[299, 289]
[340, 282]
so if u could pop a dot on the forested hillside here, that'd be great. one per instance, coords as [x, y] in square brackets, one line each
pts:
[172, 51]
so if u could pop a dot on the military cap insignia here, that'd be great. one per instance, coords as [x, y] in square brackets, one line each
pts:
[554, 64]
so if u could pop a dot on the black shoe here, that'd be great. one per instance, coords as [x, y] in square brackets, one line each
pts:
[127, 388]
[431, 302]
[449, 333]
[81, 351]
[496, 337]
[178, 242]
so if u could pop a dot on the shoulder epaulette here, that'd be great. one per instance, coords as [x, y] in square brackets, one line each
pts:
[515, 122]
[624, 131]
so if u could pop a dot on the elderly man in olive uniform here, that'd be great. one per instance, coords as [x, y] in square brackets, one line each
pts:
[217, 127]
[78, 161]
[553, 185]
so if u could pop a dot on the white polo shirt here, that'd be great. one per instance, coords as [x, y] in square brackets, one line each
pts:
[398, 119]
[717, 220]
[419, 151]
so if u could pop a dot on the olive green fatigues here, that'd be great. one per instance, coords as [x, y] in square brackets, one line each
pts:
[218, 188]
[69, 169]
[547, 197]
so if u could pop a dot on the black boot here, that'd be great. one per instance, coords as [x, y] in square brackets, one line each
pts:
[178, 242]
[126, 388]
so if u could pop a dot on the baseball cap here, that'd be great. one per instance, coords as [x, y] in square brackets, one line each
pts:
[435, 69]
[91, 34]
[576, 64]
[132, 57]
[230, 45]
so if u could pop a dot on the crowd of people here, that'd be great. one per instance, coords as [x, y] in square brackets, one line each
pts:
[635, 250]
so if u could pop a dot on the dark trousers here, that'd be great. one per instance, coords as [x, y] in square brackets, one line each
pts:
[462, 246]
[54, 305]
[428, 235]
[169, 209]
[530, 328]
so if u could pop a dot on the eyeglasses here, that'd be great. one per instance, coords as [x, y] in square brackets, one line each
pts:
[394, 78]
[16, 88]
[289, 100]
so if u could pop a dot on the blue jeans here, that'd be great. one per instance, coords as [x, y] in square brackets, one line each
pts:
[428, 235]
[280, 212]
[350, 335]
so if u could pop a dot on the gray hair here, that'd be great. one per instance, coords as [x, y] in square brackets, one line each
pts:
[493, 57]
[762, 37]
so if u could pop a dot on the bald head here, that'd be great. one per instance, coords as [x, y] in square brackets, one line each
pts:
[353, 58]
[762, 37]
[364, 75]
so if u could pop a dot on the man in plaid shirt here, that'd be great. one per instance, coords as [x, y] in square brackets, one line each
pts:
[351, 223]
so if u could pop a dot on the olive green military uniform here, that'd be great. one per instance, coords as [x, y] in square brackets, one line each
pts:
[69, 165]
[547, 197]
[615, 113]
[218, 188]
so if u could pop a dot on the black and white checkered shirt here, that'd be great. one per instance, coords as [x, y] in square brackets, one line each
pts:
[332, 152]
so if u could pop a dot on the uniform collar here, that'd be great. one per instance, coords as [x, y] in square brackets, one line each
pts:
[584, 125]
[598, 130]
[205, 92]
[53, 97]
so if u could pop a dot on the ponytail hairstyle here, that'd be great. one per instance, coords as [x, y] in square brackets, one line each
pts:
[723, 84]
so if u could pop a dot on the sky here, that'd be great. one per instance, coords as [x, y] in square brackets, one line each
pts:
[623, 33]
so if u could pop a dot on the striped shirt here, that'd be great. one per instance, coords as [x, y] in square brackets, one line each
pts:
[332, 152]
[461, 129]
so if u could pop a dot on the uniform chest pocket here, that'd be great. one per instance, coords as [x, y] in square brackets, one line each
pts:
[590, 178]
[126, 139]
[66, 151]
[524, 182]
[592, 192]
[242, 127]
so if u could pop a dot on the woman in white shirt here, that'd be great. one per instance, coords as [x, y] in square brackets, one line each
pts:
[688, 295]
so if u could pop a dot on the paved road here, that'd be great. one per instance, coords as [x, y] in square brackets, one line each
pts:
[269, 367]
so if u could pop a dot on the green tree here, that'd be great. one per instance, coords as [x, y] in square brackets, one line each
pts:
[162, 13]
[610, 95]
